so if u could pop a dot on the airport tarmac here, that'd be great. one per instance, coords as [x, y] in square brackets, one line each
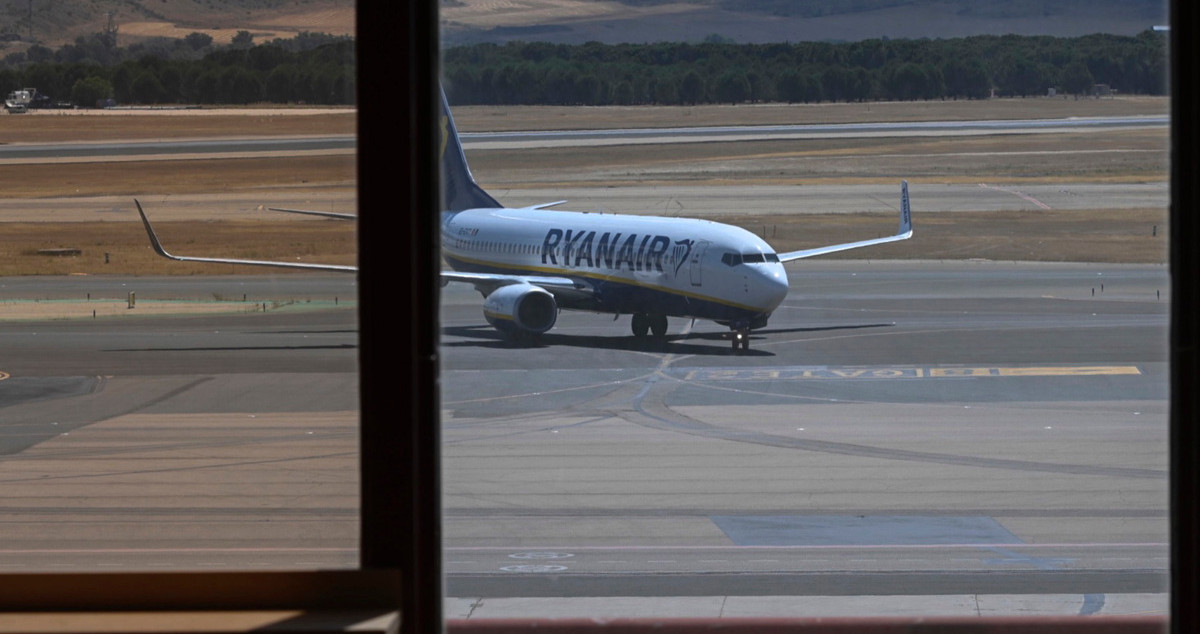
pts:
[974, 436]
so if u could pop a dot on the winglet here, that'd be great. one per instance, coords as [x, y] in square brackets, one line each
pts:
[158, 248]
[905, 211]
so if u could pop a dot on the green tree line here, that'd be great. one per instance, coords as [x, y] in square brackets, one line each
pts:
[877, 69]
[313, 68]
[320, 69]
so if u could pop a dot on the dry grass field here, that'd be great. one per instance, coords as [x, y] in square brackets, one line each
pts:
[494, 119]
[214, 205]
[1119, 156]
[334, 18]
[122, 247]
[64, 126]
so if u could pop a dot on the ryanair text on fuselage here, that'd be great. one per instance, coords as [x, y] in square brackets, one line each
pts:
[611, 251]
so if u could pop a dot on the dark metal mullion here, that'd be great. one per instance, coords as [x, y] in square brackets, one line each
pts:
[1185, 323]
[397, 61]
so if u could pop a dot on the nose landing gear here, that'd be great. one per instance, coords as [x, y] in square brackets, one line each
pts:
[740, 337]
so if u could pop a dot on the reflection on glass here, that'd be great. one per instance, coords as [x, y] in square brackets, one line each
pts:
[165, 415]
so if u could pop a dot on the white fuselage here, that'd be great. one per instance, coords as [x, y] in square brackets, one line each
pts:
[635, 264]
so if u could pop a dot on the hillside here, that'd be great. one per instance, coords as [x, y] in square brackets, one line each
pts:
[757, 21]
[52, 23]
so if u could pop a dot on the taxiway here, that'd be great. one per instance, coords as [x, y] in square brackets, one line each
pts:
[899, 428]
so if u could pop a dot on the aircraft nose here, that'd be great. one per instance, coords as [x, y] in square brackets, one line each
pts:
[774, 285]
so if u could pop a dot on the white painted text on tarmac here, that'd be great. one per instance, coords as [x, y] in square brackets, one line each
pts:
[826, 373]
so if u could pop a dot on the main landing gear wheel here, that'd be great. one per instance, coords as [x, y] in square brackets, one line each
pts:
[658, 325]
[643, 324]
[640, 325]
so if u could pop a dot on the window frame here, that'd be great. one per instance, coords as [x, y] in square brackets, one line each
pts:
[1185, 322]
[400, 539]
[400, 559]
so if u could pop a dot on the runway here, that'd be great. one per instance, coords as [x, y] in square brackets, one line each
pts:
[899, 428]
[709, 134]
[108, 151]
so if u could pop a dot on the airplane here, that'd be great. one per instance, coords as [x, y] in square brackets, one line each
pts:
[531, 262]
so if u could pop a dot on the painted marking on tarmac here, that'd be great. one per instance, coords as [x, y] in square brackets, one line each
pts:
[1021, 195]
[534, 569]
[912, 372]
[4, 375]
[537, 555]
[862, 530]
[1009, 557]
[1102, 546]
[541, 555]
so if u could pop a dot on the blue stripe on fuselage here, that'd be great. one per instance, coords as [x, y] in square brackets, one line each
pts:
[617, 295]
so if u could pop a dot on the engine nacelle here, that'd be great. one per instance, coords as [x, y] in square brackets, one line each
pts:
[521, 309]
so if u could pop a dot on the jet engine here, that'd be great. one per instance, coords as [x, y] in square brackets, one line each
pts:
[521, 309]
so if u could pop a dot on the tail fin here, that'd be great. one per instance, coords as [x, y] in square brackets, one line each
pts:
[459, 190]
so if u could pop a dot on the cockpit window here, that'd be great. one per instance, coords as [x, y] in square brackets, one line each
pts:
[734, 259]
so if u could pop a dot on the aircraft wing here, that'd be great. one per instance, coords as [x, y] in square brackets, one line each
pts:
[158, 248]
[484, 282]
[325, 214]
[546, 205]
[487, 282]
[904, 233]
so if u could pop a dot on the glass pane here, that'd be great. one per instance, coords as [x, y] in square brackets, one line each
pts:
[972, 421]
[159, 414]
